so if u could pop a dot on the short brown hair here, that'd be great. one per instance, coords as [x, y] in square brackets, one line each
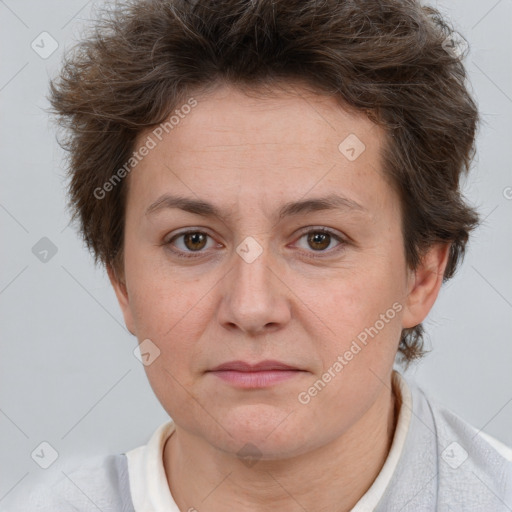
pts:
[385, 58]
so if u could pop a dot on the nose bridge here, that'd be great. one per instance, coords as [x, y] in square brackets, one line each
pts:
[253, 298]
[252, 273]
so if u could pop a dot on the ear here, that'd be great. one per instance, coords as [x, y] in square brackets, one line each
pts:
[424, 284]
[119, 285]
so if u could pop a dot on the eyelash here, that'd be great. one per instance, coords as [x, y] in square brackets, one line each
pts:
[197, 254]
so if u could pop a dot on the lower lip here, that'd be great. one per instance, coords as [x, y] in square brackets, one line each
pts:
[259, 379]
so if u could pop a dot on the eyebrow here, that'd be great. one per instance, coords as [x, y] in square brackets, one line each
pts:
[293, 208]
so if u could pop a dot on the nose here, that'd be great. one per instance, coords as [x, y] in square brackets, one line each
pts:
[254, 299]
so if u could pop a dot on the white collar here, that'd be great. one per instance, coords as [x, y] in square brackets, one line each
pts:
[372, 496]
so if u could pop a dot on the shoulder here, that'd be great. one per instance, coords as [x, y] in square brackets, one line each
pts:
[473, 468]
[453, 428]
[98, 483]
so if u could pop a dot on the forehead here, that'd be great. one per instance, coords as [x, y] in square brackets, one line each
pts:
[280, 146]
[289, 116]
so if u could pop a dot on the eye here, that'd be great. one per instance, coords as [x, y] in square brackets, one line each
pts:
[320, 239]
[189, 242]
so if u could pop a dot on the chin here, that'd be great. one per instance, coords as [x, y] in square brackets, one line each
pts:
[263, 431]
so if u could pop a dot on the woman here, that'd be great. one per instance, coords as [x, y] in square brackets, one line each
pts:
[273, 188]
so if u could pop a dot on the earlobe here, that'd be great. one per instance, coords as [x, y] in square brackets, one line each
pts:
[121, 292]
[425, 283]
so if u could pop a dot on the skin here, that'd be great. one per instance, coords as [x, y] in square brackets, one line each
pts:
[249, 156]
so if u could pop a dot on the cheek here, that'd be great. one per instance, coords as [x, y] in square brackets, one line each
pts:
[364, 317]
[363, 310]
[173, 314]
[166, 315]
[173, 321]
[159, 298]
[358, 297]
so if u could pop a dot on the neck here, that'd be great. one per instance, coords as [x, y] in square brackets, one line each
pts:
[332, 477]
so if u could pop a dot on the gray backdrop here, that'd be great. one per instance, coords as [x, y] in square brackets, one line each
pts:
[68, 376]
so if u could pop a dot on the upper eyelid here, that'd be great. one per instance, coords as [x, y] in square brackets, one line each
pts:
[186, 232]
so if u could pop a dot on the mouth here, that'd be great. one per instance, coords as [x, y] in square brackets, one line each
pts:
[260, 375]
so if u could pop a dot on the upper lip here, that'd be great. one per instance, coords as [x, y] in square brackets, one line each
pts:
[242, 366]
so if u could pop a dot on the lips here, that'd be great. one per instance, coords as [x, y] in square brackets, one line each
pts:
[242, 366]
[264, 374]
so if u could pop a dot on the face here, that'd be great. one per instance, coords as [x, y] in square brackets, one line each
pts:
[294, 254]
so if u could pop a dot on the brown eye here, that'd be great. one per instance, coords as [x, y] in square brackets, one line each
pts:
[190, 244]
[195, 241]
[318, 240]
